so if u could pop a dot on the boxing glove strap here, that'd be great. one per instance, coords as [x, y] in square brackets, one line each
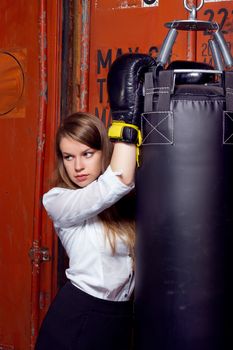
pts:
[123, 132]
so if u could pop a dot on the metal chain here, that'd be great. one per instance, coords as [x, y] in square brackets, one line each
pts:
[191, 8]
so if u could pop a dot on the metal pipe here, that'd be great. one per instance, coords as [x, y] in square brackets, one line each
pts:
[224, 48]
[167, 46]
[216, 55]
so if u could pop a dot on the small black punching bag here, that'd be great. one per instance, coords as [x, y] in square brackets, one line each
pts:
[184, 252]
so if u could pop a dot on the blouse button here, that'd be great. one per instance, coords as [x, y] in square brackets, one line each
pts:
[126, 295]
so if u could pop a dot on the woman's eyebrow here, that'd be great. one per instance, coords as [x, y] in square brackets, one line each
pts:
[88, 149]
[85, 150]
[66, 153]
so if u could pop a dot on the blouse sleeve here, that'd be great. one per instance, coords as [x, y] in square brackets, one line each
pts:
[68, 207]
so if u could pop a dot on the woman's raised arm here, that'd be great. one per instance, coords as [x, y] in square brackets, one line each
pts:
[125, 91]
[124, 160]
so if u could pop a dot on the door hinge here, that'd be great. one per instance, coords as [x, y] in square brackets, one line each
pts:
[39, 254]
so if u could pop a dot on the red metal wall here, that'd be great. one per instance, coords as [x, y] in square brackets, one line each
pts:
[18, 132]
[28, 50]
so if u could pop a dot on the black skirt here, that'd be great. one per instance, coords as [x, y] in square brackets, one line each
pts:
[79, 321]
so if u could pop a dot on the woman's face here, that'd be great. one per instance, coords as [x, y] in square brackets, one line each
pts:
[82, 163]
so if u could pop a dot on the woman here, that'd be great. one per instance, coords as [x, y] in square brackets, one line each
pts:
[93, 310]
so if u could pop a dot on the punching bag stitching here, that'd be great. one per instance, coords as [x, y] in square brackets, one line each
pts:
[157, 90]
[197, 100]
[163, 92]
[226, 117]
[166, 80]
[154, 127]
[228, 88]
[168, 117]
[148, 85]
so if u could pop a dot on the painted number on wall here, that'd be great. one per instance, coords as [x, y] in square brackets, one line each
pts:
[223, 17]
[104, 59]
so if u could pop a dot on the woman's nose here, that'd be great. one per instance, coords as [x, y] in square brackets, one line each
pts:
[78, 165]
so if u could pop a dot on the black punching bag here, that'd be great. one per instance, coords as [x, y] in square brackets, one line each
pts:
[184, 247]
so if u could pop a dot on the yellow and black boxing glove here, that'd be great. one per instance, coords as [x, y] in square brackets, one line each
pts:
[125, 90]
[129, 133]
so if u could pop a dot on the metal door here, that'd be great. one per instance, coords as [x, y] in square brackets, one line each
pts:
[28, 47]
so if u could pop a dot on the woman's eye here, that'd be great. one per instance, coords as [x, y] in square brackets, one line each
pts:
[88, 154]
[68, 157]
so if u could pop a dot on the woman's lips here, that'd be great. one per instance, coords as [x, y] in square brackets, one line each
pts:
[81, 178]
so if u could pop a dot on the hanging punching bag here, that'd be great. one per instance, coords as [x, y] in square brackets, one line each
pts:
[184, 247]
[185, 219]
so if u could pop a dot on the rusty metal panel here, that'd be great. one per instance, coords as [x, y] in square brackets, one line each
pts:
[221, 12]
[18, 131]
[48, 239]
[28, 50]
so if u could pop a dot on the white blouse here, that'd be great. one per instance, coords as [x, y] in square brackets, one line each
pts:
[92, 266]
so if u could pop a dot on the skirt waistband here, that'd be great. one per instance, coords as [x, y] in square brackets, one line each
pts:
[97, 304]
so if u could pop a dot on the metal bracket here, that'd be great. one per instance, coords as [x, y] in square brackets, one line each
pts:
[188, 8]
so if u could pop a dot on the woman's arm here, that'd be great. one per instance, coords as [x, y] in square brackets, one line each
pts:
[68, 207]
[124, 159]
[126, 100]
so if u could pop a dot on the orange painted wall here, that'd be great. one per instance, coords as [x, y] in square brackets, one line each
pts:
[18, 130]
[25, 146]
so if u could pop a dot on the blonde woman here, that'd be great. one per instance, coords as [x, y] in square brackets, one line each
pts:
[94, 308]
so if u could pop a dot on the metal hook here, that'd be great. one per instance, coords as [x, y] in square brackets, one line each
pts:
[193, 13]
[190, 8]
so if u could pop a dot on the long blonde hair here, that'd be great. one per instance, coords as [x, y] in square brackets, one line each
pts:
[86, 128]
